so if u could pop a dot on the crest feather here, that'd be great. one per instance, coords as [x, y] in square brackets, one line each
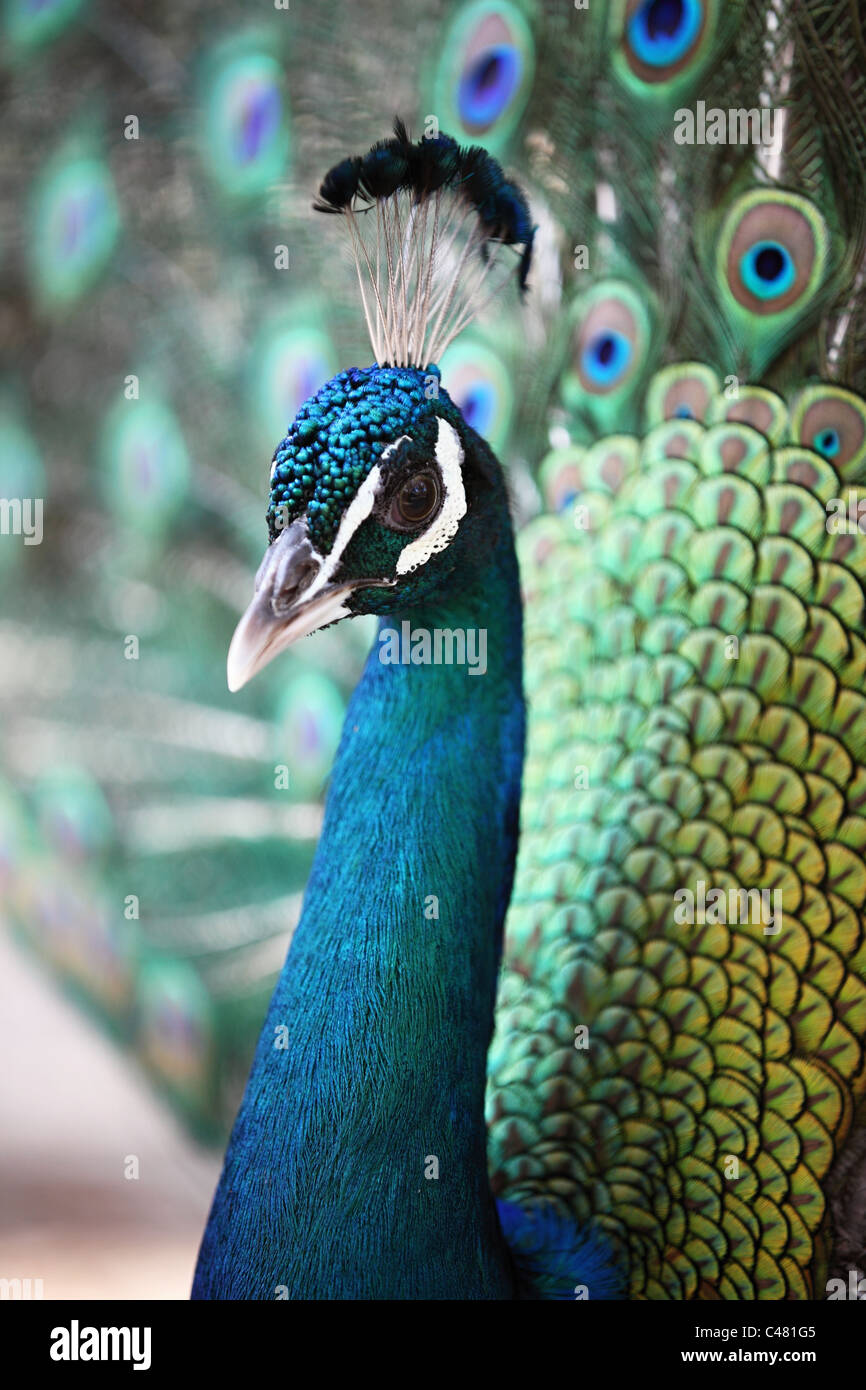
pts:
[428, 221]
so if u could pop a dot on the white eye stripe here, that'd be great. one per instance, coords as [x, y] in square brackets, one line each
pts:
[449, 456]
[355, 515]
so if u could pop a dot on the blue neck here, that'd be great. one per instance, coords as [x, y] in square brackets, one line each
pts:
[329, 1187]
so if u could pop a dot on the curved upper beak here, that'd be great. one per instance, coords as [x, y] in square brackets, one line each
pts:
[292, 599]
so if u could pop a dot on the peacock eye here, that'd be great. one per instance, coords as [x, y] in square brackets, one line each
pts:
[416, 501]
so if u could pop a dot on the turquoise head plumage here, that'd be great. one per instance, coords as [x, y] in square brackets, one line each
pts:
[381, 497]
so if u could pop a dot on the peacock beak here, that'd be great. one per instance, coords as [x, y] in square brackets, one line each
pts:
[292, 599]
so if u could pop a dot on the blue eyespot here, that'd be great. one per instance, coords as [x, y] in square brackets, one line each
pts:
[661, 32]
[605, 358]
[479, 406]
[767, 270]
[244, 122]
[827, 442]
[488, 85]
[259, 116]
[683, 412]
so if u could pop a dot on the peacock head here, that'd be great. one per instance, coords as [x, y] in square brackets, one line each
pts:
[382, 496]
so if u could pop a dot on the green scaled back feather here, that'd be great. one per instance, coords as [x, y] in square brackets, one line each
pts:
[696, 666]
[696, 651]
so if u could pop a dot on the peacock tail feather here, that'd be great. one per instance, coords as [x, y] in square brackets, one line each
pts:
[695, 660]
[667, 1067]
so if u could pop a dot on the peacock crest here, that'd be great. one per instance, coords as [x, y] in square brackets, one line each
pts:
[442, 215]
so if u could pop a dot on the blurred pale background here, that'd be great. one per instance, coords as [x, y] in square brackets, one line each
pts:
[74, 1113]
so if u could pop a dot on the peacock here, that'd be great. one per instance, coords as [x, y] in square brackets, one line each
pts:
[574, 996]
[674, 1078]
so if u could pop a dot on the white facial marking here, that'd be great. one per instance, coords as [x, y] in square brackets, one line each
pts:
[394, 446]
[449, 456]
[356, 513]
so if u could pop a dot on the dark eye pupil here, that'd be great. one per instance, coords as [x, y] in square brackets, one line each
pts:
[605, 349]
[417, 499]
[769, 263]
[664, 17]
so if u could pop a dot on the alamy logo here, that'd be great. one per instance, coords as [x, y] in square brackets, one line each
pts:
[444, 646]
[76, 1343]
[737, 126]
[854, 1290]
[20, 1288]
[846, 515]
[716, 906]
[22, 516]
